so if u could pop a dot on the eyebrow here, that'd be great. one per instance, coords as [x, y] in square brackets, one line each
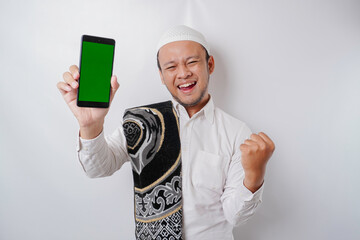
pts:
[195, 56]
[168, 63]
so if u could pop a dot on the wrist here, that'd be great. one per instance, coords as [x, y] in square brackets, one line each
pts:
[254, 180]
[91, 131]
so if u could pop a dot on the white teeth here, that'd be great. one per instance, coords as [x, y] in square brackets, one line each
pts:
[186, 85]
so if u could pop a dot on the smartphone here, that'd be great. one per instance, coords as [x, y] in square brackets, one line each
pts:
[95, 67]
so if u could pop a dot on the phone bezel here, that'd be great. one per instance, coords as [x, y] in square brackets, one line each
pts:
[100, 40]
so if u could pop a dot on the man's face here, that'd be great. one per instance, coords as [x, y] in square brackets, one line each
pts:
[185, 71]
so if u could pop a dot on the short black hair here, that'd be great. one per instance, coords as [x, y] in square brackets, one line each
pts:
[207, 56]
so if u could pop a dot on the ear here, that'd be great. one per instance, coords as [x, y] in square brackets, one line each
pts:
[211, 64]
[161, 76]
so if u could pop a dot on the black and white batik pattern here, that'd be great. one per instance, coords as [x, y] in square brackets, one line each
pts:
[153, 143]
[143, 129]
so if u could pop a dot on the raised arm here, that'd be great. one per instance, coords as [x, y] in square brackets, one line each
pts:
[99, 155]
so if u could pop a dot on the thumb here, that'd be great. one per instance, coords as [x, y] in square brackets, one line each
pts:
[114, 87]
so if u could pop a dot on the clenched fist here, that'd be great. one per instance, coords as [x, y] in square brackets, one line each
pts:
[255, 153]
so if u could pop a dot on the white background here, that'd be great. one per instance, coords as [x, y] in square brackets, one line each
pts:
[288, 68]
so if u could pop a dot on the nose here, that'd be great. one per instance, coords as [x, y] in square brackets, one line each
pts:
[183, 71]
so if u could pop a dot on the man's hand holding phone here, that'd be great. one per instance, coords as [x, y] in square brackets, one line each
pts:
[90, 119]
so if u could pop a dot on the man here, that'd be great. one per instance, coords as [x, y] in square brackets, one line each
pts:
[223, 164]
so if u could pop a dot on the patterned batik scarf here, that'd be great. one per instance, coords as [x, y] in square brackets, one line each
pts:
[153, 143]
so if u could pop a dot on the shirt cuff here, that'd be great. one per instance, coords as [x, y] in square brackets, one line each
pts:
[90, 146]
[245, 195]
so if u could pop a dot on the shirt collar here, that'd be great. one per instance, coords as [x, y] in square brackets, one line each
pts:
[208, 109]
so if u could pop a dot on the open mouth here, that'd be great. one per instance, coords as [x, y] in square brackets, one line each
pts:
[187, 86]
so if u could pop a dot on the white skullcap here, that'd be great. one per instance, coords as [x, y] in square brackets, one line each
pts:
[181, 33]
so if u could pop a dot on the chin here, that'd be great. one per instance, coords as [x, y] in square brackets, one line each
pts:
[191, 100]
[189, 103]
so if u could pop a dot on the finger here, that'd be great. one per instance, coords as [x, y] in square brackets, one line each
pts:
[74, 70]
[250, 142]
[259, 140]
[267, 140]
[114, 87]
[256, 138]
[63, 87]
[244, 148]
[70, 80]
[248, 148]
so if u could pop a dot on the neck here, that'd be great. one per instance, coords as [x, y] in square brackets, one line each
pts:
[194, 109]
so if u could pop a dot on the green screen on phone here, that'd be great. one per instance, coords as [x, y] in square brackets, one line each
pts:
[95, 72]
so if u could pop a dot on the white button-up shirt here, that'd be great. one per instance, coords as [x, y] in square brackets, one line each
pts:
[214, 196]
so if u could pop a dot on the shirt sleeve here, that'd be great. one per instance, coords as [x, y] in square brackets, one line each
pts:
[102, 156]
[239, 203]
